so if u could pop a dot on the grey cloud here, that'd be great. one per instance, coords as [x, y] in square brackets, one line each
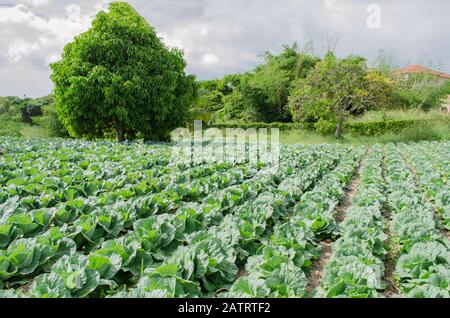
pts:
[222, 37]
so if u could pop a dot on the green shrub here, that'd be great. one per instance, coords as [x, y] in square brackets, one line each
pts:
[337, 89]
[280, 126]
[51, 122]
[371, 128]
[10, 126]
[262, 95]
[418, 132]
[399, 114]
[377, 128]
[425, 98]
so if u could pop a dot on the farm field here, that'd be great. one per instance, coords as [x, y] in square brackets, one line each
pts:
[83, 219]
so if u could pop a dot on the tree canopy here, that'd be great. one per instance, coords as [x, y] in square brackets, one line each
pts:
[118, 77]
[260, 95]
[337, 89]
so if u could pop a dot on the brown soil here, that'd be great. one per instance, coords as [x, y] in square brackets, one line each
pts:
[351, 191]
[315, 277]
[25, 288]
[241, 273]
[447, 234]
[391, 290]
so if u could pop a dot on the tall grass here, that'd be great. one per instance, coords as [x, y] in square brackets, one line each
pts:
[34, 132]
[412, 134]
[13, 126]
[412, 114]
[10, 126]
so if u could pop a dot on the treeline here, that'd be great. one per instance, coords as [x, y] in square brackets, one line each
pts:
[319, 93]
[292, 89]
[119, 80]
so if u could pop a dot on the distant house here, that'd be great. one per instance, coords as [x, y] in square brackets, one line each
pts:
[419, 75]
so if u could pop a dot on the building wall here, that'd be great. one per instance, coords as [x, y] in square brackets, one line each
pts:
[424, 80]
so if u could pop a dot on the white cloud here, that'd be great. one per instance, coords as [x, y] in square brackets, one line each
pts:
[18, 48]
[210, 59]
[173, 40]
[54, 32]
[220, 37]
[16, 14]
[37, 3]
[52, 58]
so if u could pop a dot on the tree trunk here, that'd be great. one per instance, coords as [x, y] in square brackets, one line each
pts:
[339, 128]
[120, 135]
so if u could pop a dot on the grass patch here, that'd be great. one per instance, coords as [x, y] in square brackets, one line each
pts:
[412, 114]
[412, 134]
[34, 132]
[12, 126]
[299, 136]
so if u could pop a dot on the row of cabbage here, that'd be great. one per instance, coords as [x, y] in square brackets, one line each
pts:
[431, 162]
[282, 263]
[240, 233]
[356, 267]
[70, 165]
[45, 178]
[26, 217]
[423, 268]
[88, 222]
[51, 183]
[210, 260]
[133, 257]
[110, 210]
[25, 233]
[59, 177]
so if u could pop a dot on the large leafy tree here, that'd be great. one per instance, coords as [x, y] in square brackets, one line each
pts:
[118, 77]
[262, 95]
[211, 95]
[335, 90]
[270, 86]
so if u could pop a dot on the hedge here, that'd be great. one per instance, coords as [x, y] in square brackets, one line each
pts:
[376, 128]
[281, 126]
[373, 128]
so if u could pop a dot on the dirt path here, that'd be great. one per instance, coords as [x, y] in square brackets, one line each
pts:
[315, 277]
[241, 273]
[391, 290]
[390, 262]
[341, 210]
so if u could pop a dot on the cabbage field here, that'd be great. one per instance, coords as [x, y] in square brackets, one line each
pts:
[84, 219]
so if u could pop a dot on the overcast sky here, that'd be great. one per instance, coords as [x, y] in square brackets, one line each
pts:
[227, 36]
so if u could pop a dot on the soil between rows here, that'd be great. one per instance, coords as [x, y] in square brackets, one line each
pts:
[315, 278]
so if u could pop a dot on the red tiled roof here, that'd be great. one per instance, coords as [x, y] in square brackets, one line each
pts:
[420, 69]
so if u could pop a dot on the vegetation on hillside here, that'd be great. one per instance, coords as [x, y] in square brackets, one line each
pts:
[118, 80]
[319, 93]
[337, 89]
[30, 117]
[262, 95]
